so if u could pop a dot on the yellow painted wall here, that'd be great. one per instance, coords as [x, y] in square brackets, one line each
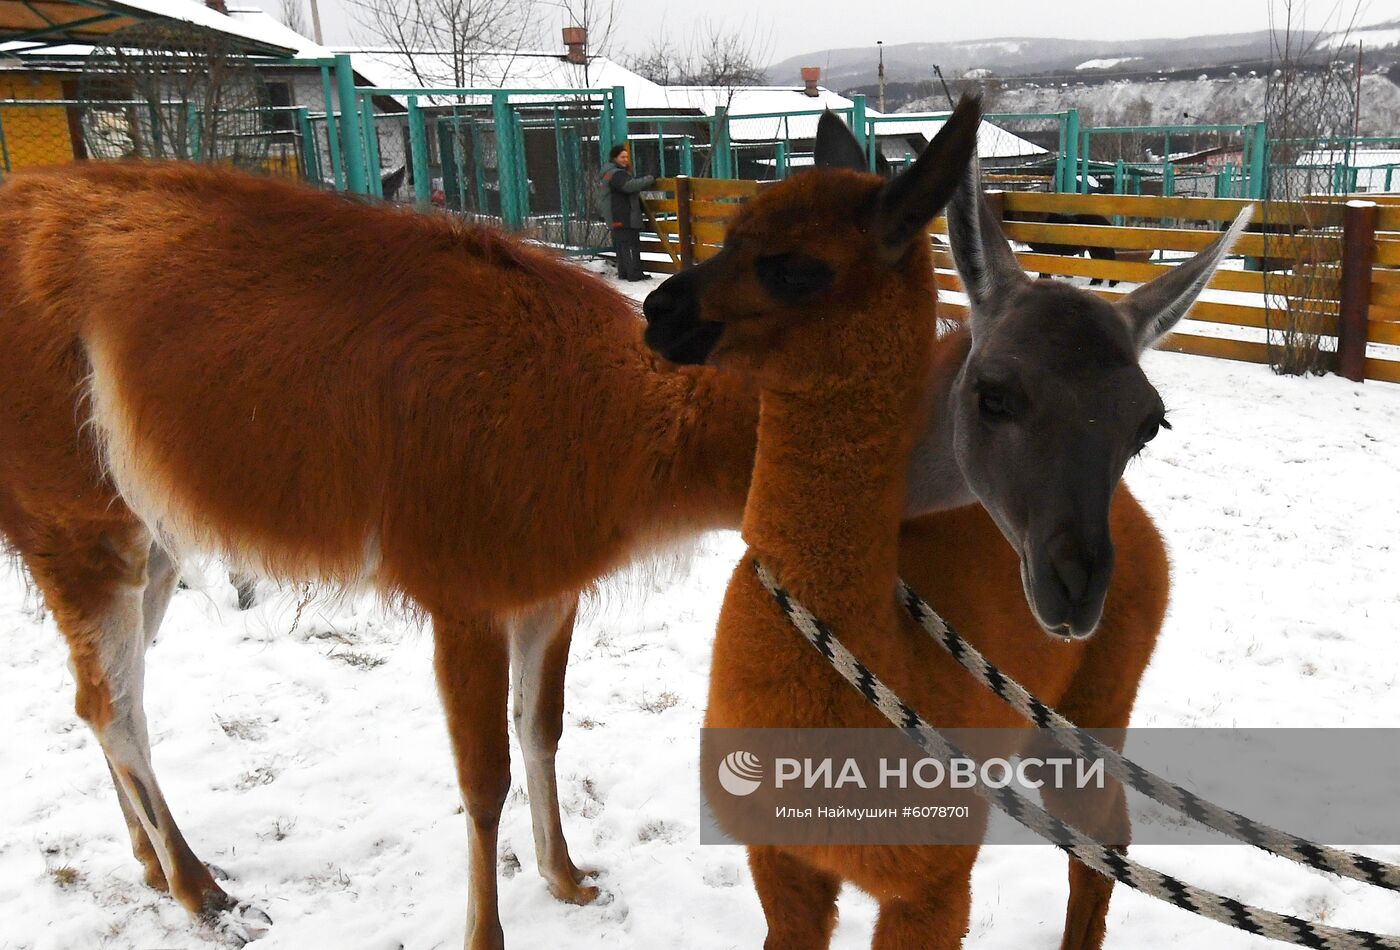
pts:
[34, 135]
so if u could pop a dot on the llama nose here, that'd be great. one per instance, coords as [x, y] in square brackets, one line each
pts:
[660, 304]
[1073, 574]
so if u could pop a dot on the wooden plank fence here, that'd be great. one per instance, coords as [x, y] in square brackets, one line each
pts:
[1345, 257]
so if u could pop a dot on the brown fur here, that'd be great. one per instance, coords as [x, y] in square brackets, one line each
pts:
[330, 390]
[327, 390]
[823, 515]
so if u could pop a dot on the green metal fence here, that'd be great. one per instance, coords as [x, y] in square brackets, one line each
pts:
[529, 160]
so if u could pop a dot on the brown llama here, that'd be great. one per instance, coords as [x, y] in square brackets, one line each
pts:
[324, 390]
[824, 297]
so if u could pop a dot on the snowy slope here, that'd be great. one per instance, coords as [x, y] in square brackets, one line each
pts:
[312, 764]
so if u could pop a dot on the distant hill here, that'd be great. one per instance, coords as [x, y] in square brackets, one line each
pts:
[907, 65]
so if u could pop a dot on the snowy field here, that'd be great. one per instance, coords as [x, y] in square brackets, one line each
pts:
[313, 765]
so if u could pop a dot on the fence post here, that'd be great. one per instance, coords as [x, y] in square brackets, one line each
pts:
[374, 180]
[721, 158]
[350, 139]
[1358, 256]
[418, 142]
[505, 159]
[684, 236]
[332, 131]
[1071, 148]
[192, 132]
[310, 154]
[996, 200]
[619, 114]
[860, 128]
[1258, 163]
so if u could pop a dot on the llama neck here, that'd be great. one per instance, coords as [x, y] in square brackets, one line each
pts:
[828, 492]
[701, 447]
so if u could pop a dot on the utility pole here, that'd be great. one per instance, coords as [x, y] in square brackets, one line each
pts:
[946, 92]
[881, 45]
[1356, 114]
[316, 24]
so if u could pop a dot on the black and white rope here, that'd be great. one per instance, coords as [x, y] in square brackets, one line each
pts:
[1099, 857]
[1357, 867]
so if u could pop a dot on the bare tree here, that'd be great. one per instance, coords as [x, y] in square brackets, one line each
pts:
[444, 42]
[725, 59]
[293, 16]
[1308, 102]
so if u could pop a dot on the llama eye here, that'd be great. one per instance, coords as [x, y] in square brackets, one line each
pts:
[997, 402]
[791, 277]
[1150, 429]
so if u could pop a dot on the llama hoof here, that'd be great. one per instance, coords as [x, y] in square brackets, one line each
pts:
[239, 922]
[216, 872]
[572, 893]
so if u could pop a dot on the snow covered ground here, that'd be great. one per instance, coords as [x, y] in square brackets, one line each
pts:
[313, 765]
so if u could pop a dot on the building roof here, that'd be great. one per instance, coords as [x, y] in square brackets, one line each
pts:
[44, 22]
[266, 24]
[393, 69]
[992, 140]
[1356, 158]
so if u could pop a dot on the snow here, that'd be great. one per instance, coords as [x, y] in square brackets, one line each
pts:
[1106, 63]
[198, 14]
[309, 758]
[1373, 39]
[503, 70]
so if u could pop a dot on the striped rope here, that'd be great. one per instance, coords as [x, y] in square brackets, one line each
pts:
[1357, 867]
[1089, 852]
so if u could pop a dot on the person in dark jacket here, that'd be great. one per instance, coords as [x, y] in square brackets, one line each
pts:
[625, 211]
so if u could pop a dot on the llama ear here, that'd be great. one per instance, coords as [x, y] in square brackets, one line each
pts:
[908, 203]
[988, 268]
[836, 147]
[1157, 306]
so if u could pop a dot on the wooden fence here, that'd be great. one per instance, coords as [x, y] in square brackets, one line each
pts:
[1344, 257]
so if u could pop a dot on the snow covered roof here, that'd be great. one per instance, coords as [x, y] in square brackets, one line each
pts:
[504, 70]
[1358, 158]
[92, 21]
[992, 140]
[268, 25]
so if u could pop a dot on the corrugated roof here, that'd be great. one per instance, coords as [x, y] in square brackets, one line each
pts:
[92, 21]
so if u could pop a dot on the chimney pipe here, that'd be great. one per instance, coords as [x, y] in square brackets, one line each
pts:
[811, 75]
[576, 39]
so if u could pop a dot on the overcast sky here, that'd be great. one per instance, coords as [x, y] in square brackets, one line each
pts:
[790, 27]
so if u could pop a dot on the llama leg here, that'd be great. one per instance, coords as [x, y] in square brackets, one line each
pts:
[97, 587]
[161, 579]
[1089, 892]
[247, 587]
[539, 653]
[1101, 813]
[473, 674]
[935, 919]
[1100, 696]
[799, 900]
